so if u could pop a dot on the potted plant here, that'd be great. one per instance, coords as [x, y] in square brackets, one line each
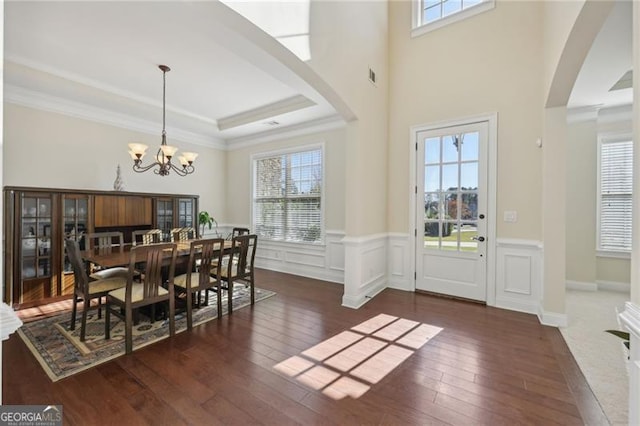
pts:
[204, 218]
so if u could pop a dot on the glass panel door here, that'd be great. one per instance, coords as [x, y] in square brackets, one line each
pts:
[451, 192]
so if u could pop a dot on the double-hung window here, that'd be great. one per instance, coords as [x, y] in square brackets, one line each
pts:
[287, 195]
[429, 15]
[615, 184]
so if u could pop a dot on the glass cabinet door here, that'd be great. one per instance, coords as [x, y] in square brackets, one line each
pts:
[75, 225]
[186, 212]
[75, 216]
[35, 236]
[164, 217]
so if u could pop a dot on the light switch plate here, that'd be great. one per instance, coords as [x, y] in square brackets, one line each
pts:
[510, 216]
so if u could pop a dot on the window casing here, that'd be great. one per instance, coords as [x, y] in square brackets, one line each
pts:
[615, 184]
[429, 15]
[287, 195]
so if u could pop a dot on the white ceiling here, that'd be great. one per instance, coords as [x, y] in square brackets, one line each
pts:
[100, 60]
[608, 60]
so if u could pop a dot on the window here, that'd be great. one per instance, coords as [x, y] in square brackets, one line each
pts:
[287, 196]
[615, 179]
[429, 15]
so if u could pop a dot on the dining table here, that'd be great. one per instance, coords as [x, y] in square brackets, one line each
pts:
[121, 256]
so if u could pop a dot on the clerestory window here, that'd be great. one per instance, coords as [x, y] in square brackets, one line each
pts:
[429, 15]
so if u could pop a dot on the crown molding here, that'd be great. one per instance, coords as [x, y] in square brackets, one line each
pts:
[582, 114]
[314, 126]
[615, 114]
[600, 113]
[31, 99]
[283, 106]
[95, 84]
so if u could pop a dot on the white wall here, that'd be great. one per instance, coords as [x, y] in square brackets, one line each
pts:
[346, 38]
[51, 150]
[489, 63]
[581, 202]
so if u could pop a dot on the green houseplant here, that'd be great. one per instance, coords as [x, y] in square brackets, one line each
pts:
[204, 218]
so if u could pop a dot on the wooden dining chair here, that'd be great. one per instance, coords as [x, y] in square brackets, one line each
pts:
[183, 234]
[237, 231]
[205, 257]
[148, 291]
[104, 243]
[86, 290]
[239, 266]
[146, 236]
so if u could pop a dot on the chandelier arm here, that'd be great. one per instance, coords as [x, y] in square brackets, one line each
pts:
[179, 171]
[137, 167]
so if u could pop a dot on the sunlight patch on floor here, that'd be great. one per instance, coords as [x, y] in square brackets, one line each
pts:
[347, 364]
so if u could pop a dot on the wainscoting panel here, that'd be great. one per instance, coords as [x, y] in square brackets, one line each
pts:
[518, 275]
[365, 272]
[323, 262]
[400, 275]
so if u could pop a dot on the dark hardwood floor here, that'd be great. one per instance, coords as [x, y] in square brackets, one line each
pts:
[487, 366]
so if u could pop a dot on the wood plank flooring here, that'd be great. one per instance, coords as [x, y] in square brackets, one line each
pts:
[487, 366]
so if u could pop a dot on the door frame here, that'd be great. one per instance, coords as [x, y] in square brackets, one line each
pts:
[492, 172]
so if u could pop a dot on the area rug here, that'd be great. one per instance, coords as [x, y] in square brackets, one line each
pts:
[61, 354]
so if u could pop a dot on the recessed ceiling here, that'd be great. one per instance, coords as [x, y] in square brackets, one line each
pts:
[102, 58]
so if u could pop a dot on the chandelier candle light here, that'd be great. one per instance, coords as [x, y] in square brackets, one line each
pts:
[162, 165]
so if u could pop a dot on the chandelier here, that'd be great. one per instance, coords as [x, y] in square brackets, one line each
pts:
[162, 164]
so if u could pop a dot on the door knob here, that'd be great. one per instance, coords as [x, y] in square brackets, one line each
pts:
[481, 239]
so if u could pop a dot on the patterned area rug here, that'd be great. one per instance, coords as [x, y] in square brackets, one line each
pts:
[61, 353]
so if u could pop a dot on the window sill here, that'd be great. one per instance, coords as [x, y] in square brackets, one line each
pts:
[613, 254]
[451, 19]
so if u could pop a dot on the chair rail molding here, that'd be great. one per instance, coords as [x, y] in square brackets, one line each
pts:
[365, 274]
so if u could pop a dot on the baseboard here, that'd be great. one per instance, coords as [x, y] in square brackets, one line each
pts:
[355, 302]
[552, 319]
[581, 285]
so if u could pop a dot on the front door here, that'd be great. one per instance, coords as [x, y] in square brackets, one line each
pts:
[451, 211]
